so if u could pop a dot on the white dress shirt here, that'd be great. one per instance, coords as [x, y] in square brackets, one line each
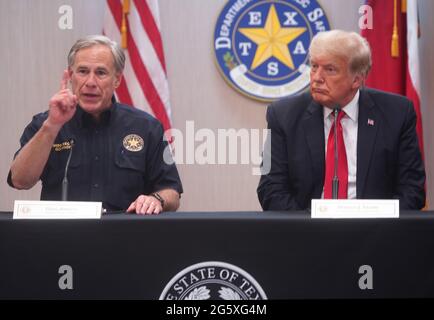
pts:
[349, 126]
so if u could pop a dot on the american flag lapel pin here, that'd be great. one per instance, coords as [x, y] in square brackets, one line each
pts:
[370, 122]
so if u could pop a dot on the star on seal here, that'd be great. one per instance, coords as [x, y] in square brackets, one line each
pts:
[133, 142]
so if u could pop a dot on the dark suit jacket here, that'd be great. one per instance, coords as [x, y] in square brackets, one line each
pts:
[389, 162]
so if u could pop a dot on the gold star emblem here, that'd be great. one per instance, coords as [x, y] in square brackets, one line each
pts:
[272, 40]
[133, 142]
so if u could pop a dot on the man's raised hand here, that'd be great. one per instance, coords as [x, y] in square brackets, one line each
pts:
[63, 104]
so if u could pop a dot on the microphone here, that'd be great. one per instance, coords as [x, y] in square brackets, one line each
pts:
[65, 177]
[335, 181]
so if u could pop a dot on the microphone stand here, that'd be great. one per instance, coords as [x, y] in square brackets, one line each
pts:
[65, 178]
[335, 182]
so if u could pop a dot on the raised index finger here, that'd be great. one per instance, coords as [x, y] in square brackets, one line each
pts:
[65, 79]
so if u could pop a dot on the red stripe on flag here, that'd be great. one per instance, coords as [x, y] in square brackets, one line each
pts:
[142, 75]
[123, 93]
[145, 82]
[116, 9]
[151, 29]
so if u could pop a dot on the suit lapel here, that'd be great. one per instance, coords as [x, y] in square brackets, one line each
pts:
[313, 124]
[367, 131]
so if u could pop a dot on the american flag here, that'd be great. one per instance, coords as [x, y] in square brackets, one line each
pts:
[136, 25]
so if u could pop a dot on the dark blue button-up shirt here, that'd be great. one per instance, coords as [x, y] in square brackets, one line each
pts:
[113, 160]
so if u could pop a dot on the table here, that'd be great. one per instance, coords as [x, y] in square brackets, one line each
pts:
[288, 254]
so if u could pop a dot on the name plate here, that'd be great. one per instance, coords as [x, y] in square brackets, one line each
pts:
[57, 210]
[360, 208]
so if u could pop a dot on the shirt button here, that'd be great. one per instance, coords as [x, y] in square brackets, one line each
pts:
[96, 185]
[96, 158]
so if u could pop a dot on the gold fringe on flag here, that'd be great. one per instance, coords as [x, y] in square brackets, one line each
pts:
[395, 38]
[125, 11]
[404, 6]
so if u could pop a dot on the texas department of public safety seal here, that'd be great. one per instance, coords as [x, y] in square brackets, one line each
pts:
[133, 142]
[213, 280]
[261, 46]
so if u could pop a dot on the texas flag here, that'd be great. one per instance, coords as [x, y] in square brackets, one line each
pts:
[394, 44]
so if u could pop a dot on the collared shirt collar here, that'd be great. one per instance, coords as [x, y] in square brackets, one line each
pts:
[351, 109]
[85, 119]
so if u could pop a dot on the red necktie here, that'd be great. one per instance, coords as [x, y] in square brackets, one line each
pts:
[342, 162]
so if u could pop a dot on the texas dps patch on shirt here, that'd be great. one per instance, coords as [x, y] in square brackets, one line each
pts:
[133, 142]
[261, 46]
[62, 146]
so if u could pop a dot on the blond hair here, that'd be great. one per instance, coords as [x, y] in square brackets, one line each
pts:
[348, 45]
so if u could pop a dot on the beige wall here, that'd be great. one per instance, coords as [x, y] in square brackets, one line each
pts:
[33, 57]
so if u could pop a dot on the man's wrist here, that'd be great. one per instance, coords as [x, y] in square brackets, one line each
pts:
[51, 128]
[157, 196]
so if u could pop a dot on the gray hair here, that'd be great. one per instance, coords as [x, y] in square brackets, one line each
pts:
[93, 40]
[349, 45]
